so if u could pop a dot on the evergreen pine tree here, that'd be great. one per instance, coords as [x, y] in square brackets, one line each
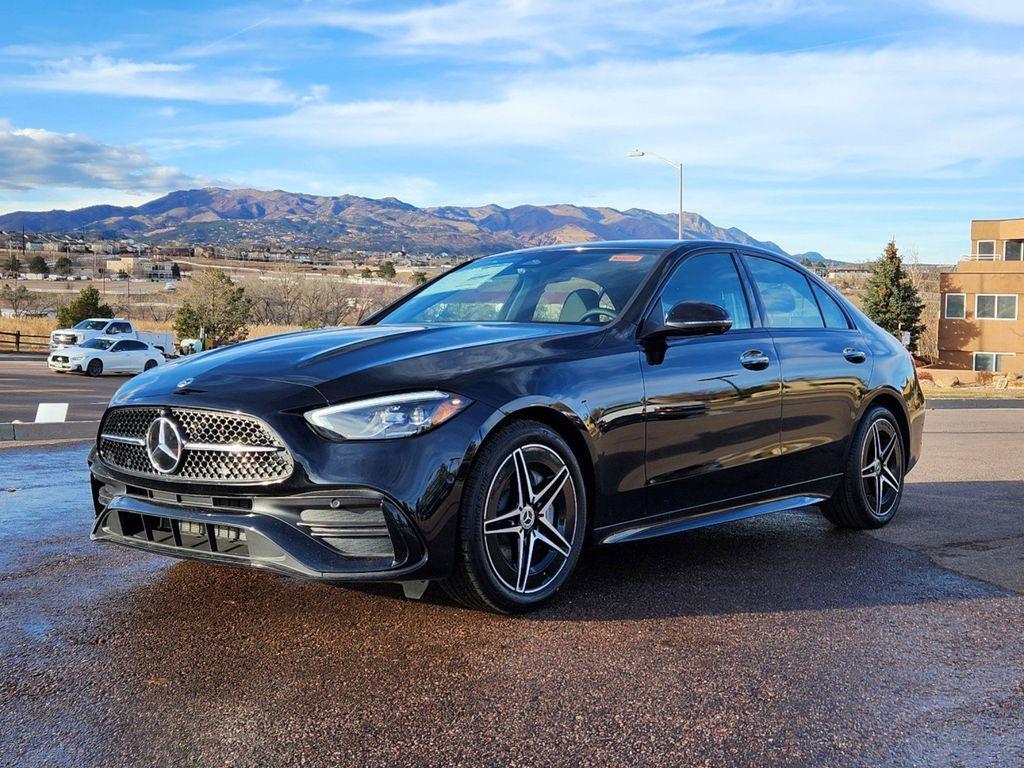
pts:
[890, 298]
[87, 305]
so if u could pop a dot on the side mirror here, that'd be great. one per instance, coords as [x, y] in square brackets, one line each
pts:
[693, 318]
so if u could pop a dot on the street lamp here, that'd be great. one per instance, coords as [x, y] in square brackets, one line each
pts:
[678, 167]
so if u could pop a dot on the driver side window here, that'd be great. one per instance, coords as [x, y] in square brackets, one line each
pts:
[711, 278]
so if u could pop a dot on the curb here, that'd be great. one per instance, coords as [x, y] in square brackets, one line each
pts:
[62, 430]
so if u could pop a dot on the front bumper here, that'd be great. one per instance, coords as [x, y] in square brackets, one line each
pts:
[56, 365]
[332, 534]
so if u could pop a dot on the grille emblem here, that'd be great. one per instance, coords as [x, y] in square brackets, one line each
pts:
[164, 445]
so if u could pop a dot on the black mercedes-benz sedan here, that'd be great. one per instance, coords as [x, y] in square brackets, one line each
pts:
[483, 429]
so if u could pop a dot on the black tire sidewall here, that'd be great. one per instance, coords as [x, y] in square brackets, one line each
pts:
[98, 371]
[485, 466]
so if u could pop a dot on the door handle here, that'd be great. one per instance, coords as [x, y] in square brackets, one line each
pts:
[855, 355]
[755, 360]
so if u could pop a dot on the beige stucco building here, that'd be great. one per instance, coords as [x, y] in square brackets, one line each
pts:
[981, 327]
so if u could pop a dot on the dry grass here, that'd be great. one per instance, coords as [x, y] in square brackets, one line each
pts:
[970, 392]
[35, 326]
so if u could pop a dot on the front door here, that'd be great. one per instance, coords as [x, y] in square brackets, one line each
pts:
[712, 404]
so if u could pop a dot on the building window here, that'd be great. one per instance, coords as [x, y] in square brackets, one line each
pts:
[991, 362]
[956, 306]
[986, 250]
[1013, 250]
[995, 306]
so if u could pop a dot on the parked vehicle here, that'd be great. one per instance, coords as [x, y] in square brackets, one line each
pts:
[481, 429]
[105, 326]
[106, 354]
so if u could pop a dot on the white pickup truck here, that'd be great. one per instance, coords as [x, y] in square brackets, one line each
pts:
[105, 326]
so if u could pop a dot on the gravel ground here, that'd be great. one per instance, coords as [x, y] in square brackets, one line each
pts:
[776, 641]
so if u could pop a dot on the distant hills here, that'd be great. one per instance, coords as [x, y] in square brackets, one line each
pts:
[230, 216]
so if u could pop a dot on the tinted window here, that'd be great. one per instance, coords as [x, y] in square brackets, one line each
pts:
[711, 278]
[98, 343]
[130, 346]
[834, 317]
[548, 286]
[786, 295]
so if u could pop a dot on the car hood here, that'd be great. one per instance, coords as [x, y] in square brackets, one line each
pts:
[71, 349]
[339, 363]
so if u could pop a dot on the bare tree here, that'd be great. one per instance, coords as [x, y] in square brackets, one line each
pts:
[20, 299]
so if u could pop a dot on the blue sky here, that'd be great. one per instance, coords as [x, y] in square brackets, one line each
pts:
[821, 125]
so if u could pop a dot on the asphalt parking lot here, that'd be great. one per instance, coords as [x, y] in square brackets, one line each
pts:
[25, 381]
[776, 641]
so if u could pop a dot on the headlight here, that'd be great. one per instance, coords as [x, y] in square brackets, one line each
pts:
[381, 418]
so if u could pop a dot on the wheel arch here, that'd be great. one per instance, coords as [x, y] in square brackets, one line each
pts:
[571, 429]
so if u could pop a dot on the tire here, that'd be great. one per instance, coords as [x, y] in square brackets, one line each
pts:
[870, 492]
[94, 368]
[150, 365]
[488, 573]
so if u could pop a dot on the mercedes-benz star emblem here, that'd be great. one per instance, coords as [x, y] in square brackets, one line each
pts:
[164, 445]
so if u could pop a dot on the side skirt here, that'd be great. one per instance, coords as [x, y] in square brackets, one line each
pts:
[653, 529]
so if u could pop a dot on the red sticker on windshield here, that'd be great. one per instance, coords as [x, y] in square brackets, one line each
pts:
[630, 257]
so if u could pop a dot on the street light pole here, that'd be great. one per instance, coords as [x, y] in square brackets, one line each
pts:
[678, 167]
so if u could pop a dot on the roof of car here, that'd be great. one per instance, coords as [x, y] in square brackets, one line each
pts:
[650, 245]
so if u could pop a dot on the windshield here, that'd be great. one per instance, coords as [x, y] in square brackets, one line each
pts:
[92, 325]
[570, 286]
[98, 344]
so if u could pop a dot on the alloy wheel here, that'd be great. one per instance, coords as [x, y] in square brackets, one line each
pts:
[882, 468]
[530, 519]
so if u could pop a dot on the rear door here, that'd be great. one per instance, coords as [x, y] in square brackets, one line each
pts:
[826, 367]
[135, 355]
[712, 404]
[116, 357]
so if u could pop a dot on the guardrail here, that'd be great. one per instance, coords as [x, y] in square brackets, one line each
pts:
[23, 342]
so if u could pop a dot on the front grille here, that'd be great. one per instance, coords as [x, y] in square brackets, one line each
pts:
[59, 359]
[217, 446]
[65, 338]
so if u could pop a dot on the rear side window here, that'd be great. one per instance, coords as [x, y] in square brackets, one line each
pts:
[786, 295]
[130, 346]
[834, 317]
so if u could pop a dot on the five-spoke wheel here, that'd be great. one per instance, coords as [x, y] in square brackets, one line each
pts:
[530, 519]
[872, 485]
[523, 520]
[881, 467]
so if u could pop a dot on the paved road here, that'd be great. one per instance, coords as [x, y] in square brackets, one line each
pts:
[26, 382]
[777, 641]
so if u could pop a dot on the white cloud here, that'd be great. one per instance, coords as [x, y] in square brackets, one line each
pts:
[998, 11]
[152, 80]
[33, 158]
[525, 29]
[886, 112]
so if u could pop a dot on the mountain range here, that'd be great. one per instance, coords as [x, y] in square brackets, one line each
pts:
[230, 216]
